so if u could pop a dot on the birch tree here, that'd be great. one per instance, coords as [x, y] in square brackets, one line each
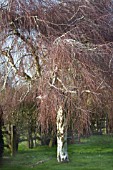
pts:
[42, 40]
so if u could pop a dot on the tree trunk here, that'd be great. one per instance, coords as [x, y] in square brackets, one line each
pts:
[106, 124]
[35, 139]
[1, 135]
[51, 139]
[62, 154]
[30, 138]
[13, 140]
[1, 142]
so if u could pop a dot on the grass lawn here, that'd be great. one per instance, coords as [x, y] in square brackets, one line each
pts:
[94, 153]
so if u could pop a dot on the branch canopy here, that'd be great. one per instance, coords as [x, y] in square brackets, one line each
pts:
[83, 27]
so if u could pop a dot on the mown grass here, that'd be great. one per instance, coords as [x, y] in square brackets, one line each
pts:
[94, 153]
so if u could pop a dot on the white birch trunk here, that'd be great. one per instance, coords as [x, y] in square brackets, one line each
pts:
[62, 154]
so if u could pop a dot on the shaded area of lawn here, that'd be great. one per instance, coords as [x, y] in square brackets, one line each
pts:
[94, 153]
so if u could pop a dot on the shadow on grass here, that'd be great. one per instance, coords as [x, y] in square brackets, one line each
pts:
[95, 153]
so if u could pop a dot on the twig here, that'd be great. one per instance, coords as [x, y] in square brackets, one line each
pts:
[40, 162]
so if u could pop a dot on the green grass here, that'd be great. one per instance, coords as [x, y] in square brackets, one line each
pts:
[94, 153]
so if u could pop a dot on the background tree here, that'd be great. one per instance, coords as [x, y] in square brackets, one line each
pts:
[1, 135]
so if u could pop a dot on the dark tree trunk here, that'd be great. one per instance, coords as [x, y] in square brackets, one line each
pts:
[30, 138]
[1, 143]
[1, 135]
[13, 140]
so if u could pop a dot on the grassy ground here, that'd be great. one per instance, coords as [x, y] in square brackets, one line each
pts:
[94, 153]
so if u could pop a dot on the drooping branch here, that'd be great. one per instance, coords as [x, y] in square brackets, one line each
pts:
[85, 26]
[98, 56]
[11, 62]
[29, 43]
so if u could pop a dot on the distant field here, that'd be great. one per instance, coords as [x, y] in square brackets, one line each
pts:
[94, 153]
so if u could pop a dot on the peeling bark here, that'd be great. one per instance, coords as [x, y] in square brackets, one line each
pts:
[62, 154]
